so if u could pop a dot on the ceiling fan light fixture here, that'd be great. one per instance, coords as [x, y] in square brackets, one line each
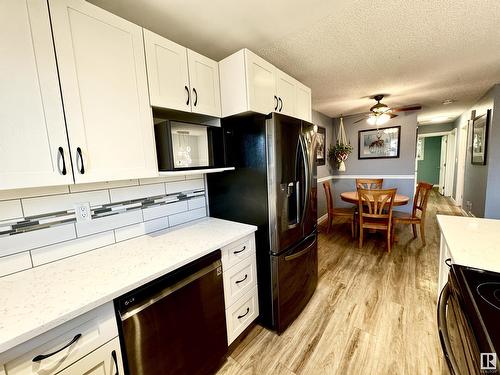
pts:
[378, 119]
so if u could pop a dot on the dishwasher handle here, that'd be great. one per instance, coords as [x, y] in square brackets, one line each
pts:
[444, 337]
[217, 265]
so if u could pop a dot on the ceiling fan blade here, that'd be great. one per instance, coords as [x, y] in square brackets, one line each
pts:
[415, 107]
[361, 119]
[392, 115]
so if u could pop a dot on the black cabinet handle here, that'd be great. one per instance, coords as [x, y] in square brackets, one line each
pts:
[448, 262]
[40, 357]
[115, 359]
[195, 97]
[281, 106]
[276, 106]
[187, 91]
[240, 281]
[80, 156]
[240, 251]
[61, 153]
[245, 314]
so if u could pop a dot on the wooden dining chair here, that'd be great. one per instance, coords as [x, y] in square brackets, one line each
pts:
[375, 212]
[337, 211]
[369, 183]
[417, 216]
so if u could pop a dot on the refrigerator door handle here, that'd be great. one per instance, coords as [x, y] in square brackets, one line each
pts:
[297, 198]
[302, 252]
[307, 172]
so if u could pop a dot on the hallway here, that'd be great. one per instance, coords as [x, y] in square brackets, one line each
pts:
[372, 313]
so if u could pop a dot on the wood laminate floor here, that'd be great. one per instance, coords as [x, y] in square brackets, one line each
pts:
[372, 313]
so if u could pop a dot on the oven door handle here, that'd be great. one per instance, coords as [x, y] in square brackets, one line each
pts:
[444, 337]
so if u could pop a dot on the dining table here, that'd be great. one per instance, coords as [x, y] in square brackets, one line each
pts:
[352, 197]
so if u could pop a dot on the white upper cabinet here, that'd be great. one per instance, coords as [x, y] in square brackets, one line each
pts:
[104, 86]
[167, 73]
[33, 142]
[251, 84]
[204, 79]
[285, 92]
[181, 79]
[303, 109]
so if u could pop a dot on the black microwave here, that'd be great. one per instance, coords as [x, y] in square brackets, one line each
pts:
[184, 145]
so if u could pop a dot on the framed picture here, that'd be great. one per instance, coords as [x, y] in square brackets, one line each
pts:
[320, 146]
[379, 143]
[480, 126]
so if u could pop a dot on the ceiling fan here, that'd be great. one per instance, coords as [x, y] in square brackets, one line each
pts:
[380, 113]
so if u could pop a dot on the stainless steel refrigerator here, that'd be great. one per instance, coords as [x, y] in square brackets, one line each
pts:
[274, 188]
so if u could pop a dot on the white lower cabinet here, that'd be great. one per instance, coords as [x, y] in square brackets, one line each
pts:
[107, 360]
[66, 345]
[240, 285]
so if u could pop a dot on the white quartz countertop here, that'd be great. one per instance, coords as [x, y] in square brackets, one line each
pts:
[472, 242]
[37, 300]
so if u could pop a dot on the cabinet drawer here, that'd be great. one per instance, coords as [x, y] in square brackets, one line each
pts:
[241, 314]
[239, 280]
[237, 251]
[106, 360]
[88, 332]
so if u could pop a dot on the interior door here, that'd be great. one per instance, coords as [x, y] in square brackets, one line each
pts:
[167, 72]
[442, 164]
[205, 88]
[261, 84]
[290, 181]
[285, 91]
[295, 276]
[104, 85]
[33, 142]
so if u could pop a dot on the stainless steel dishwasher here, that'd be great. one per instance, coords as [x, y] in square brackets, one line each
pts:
[176, 324]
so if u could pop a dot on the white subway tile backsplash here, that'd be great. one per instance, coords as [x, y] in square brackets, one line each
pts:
[177, 187]
[164, 210]
[184, 217]
[10, 209]
[54, 203]
[196, 203]
[37, 238]
[102, 185]
[105, 223]
[33, 192]
[66, 249]
[15, 263]
[136, 192]
[140, 229]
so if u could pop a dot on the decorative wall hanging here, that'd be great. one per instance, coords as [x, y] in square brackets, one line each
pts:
[379, 143]
[480, 125]
[320, 146]
[339, 153]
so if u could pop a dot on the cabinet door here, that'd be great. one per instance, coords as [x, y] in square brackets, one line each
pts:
[103, 80]
[303, 108]
[205, 89]
[33, 141]
[285, 91]
[107, 360]
[261, 84]
[167, 72]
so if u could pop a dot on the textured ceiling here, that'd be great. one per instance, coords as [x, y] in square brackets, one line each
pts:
[419, 51]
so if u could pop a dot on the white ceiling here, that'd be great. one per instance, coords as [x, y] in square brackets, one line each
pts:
[419, 51]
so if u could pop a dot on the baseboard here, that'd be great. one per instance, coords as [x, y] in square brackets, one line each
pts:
[322, 219]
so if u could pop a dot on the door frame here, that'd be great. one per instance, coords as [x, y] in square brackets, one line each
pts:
[463, 134]
[442, 164]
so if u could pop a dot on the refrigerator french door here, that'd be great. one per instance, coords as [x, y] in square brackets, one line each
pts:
[273, 187]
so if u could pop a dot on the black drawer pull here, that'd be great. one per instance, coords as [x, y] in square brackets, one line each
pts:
[239, 251]
[281, 106]
[61, 153]
[115, 359]
[80, 156]
[276, 105]
[245, 314]
[40, 357]
[195, 97]
[187, 91]
[240, 281]
[448, 262]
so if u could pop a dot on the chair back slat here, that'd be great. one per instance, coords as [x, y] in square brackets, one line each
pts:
[420, 199]
[329, 196]
[369, 183]
[376, 204]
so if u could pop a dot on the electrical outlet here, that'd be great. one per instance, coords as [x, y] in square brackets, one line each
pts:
[83, 212]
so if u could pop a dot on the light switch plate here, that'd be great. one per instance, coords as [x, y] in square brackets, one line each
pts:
[83, 212]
